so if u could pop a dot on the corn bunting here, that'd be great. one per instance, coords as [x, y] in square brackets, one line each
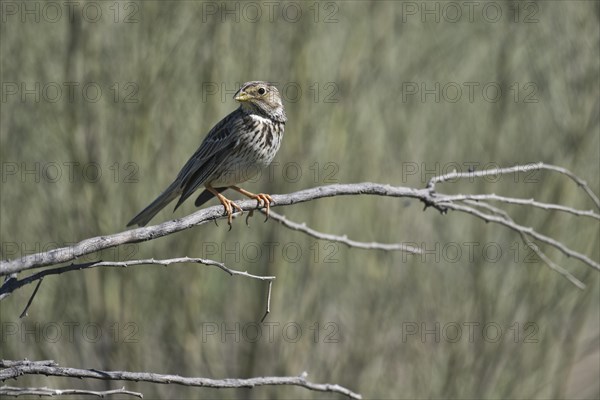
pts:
[233, 151]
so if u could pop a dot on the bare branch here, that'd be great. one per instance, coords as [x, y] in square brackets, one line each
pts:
[580, 182]
[535, 248]
[49, 368]
[525, 202]
[551, 263]
[342, 239]
[179, 261]
[477, 205]
[428, 196]
[528, 231]
[14, 284]
[92, 245]
[517, 168]
[44, 391]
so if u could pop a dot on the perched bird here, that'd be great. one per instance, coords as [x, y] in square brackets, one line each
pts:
[234, 151]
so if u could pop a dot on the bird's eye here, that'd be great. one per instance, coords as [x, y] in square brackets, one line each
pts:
[261, 91]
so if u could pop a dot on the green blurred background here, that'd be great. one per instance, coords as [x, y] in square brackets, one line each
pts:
[149, 79]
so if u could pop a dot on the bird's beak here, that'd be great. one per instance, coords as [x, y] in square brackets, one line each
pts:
[241, 96]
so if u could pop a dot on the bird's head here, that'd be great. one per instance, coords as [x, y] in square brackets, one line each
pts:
[263, 98]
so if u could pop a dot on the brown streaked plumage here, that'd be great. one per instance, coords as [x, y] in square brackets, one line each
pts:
[234, 151]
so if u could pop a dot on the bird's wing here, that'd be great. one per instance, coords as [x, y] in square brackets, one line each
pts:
[210, 155]
[206, 196]
[200, 175]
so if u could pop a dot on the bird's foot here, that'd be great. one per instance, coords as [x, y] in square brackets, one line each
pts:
[229, 206]
[264, 200]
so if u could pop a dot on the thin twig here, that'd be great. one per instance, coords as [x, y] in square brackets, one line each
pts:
[517, 168]
[526, 230]
[552, 264]
[526, 202]
[24, 313]
[580, 182]
[43, 368]
[268, 302]
[342, 239]
[15, 284]
[535, 248]
[180, 260]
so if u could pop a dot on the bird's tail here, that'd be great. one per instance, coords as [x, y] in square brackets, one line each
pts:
[158, 204]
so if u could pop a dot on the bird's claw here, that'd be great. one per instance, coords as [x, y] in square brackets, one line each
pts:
[264, 200]
[251, 213]
[229, 206]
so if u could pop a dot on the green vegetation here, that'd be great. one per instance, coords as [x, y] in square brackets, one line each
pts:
[169, 73]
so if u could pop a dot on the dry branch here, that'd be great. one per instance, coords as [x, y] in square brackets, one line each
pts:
[13, 283]
[476, 205]
[535, 248]
[516, 169]
[14, 369]
[44, 391]
[343, 239]
[92, 245]
[428, 196]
